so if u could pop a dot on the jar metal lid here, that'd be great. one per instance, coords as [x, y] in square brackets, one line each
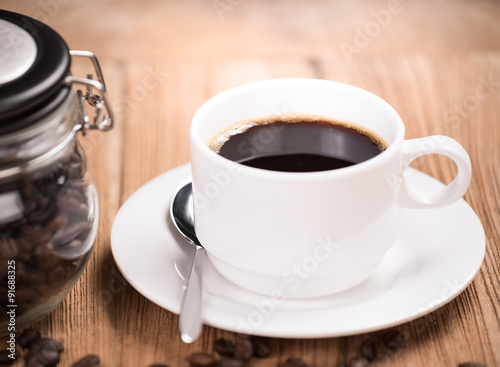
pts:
[35, 77]
[37, 67]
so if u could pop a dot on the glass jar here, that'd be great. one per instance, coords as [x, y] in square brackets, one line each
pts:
[48, 204]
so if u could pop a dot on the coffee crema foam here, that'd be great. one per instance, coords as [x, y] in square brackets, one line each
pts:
[216, 142]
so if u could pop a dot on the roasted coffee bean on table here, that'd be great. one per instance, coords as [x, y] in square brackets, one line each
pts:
[27, 337]
[88, 361]
[243, 349]
[393, 339]
[368, 350]
[201, 360]
[294, 362]
[45, 350]
[38, 360]
[224, 347]
[262, 347]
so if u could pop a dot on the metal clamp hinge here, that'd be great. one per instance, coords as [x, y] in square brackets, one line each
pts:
[103, 118]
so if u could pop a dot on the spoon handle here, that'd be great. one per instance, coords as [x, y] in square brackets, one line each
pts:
[190, 322]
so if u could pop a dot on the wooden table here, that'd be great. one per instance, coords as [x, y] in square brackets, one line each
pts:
[437, 63]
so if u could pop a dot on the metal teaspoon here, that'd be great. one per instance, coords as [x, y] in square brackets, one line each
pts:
[181, 211]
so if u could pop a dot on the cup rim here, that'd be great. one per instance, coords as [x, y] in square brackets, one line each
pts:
[372, 163]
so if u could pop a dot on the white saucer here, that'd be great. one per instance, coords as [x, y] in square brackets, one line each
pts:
[436, 256]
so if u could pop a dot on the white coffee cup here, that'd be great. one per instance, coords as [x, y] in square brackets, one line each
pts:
[307, 234]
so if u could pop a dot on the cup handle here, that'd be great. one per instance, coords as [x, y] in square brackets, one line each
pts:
[413, 197]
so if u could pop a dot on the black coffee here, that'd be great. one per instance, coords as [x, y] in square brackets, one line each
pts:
[297, 146]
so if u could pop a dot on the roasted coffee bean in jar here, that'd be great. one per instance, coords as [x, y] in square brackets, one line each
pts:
[48, 204]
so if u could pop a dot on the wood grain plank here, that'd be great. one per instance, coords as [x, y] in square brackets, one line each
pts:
[106, 316]
[157, 28]
[436, 63]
